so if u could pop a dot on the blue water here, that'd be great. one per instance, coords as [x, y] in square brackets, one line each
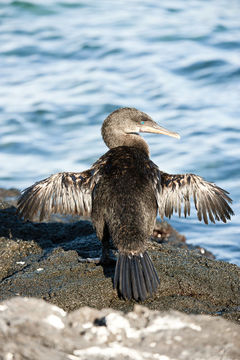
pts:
[65, 65]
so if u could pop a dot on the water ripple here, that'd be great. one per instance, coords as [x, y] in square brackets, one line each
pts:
[65, 65]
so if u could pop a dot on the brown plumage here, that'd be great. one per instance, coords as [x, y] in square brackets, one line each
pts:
[122, 192]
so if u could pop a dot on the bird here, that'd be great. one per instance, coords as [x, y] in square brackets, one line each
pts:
[122, 192]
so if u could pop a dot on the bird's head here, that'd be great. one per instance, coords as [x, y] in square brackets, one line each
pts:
[122, 123]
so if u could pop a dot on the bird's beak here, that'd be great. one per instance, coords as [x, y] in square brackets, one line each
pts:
[156, 129]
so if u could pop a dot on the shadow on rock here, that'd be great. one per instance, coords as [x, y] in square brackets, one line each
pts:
[49, 235]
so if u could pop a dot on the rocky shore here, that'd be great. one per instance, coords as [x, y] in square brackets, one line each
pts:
[50, 261]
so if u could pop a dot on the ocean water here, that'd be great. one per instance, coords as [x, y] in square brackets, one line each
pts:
[65, 65]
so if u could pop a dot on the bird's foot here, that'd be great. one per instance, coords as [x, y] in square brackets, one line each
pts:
[108, 257]
[90, 260]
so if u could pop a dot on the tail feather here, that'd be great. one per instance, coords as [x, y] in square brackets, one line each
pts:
[137, 272]
[135, 276]
[154, 279]
[117, 270]
[128, 280]
[133, 283]
[122, 273]
[146, 277]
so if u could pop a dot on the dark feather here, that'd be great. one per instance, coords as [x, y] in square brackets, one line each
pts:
[135, 276]
[117, 273]
[122, 274]
[127, 279]
[153, 272]
[146, 276]
[133, 280]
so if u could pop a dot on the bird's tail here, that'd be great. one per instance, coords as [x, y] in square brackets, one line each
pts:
[135, 276]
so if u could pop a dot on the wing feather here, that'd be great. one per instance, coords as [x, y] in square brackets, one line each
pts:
[62, 193]
[176, 191]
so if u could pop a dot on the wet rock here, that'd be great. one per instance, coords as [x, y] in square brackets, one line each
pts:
[9, 195]
[46, 261]
[164, 233]
[32, 329]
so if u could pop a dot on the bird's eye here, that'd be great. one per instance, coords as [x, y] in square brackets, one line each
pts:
[142, 122]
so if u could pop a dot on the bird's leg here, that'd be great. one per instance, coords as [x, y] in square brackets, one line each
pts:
[108, 256]
[90, 260]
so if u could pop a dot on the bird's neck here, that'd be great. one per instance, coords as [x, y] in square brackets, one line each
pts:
[118, 138]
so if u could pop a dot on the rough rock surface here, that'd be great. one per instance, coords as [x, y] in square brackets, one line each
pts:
[45, 261]
[32, 329]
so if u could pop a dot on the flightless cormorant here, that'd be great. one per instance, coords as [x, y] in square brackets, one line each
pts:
[122, 192]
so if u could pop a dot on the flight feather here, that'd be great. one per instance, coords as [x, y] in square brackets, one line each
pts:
[176, 191]
[61, 193]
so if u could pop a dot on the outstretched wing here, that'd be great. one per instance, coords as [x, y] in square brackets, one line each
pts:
[211, 202]
[62, 193]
